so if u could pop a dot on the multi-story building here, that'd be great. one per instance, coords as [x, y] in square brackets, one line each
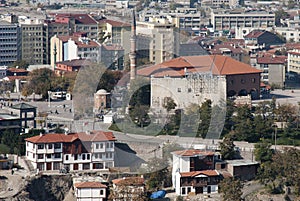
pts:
[112, 56]
[93, 150]
[90, 190]
[195, 166]
[289, 34]
[273, 69]
[185, 19]
[228, 20]
[194, 79]
[294, 61]
[34, 42]
[10, 43]
[219, 3]
[69, 23]
[165, 40]
[63, 48]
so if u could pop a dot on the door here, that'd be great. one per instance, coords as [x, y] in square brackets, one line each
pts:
[208, 189]
[199, 190]
[75, 166]
[49, 166]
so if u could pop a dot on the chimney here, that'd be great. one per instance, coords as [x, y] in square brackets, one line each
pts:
[88, 132]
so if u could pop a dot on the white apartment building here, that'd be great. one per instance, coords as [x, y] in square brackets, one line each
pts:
[92, 150]
[231, 3]
[227, 20]
[294, 61]
[290, 34]
[82, 48]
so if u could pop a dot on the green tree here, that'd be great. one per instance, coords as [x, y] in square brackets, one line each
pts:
[205, 118]
[20, 64]
[169, 104]
[139, 114]
[231, 189]
[227, 148]
[11, 139]
[263, 152]
[39, 82]
[280, 14]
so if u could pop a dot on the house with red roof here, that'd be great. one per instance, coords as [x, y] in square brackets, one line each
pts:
[194, 172]
[91, 150]
[90, 190]
[194, 79]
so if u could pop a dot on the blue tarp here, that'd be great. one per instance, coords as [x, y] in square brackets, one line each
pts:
[158, 194]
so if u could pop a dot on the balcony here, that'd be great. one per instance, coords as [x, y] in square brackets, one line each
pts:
[199, 184]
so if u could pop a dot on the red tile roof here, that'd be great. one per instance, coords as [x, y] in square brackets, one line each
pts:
[271, 60]
[94, 136]
[12, 78]
[217, 64]
[115, 23]
[129, 181]
[75, 62]
[79, 18]
[17, 70]
[209, 173]
[193, 152]
[90, 42]
[254, 34]
[217, 49]
[90, 185]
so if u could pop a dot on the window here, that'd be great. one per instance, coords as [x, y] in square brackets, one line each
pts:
[253, 80]
[189, 90]
[101, 146]
[188, 189]
[33, 156]
[67, 157]
[83, 156]
[50, 146]
[75, 157]
[48, 155]
[88, 156]
[111, 145]
[57, 146]
[107, 145]
[57, 155]
[183, 191]
[101, 192]
[179, 90]
[97, 146]
[96, 156]
[40, 146]
[40, 156]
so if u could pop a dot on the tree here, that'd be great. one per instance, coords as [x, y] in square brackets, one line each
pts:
[20, 64]
[263, 152]
[139, 115]
[39, 82]
[231, 189]
[227, 148]
[169, 104]
[205, 118]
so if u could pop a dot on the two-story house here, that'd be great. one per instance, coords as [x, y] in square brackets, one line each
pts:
[94, 191]
[194, 171]
[93, 150]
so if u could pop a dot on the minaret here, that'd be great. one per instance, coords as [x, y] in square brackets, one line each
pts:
[54, 54]
[132, 54]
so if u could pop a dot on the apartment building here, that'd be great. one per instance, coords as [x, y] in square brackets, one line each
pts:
[227, 20]
[289, 34]
[219, 3]
[294, 61]
[69, 23]
[10, 43]
[185, 19]
[34, 41]
[164, 43]
[91, 150]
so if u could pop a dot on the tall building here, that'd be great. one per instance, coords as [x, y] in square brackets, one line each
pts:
[227, 20]
[34, 42]
[164, 43]
[10, 41]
